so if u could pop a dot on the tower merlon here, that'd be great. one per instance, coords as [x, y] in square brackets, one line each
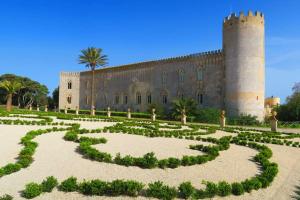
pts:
[233, 18]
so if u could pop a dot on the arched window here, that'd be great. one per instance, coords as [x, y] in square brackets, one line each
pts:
[200, 74]
[149, 98]
[180, 94]
[138, 98]
[200, 98]
[69, 85]
[117, 98]
[69, 99]
[164, 99]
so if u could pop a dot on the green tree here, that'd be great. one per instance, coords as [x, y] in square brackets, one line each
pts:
[32, 92]
[12, 87]
[291, 110]
[178, 105]
[92, 58]
[54, 99]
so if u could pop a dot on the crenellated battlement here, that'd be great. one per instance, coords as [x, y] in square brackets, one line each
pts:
[213, 56]
[68, 74]
[249, 18]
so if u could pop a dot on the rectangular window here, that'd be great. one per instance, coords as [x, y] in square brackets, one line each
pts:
[86, 100]
[149, 99]
[125, 100]
[200, 74]
[117, 100]
[200, 98]
[138, 99]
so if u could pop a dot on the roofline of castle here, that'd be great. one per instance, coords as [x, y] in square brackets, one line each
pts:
[207, 54]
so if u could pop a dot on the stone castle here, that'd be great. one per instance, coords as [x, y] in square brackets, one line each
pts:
[232, 78]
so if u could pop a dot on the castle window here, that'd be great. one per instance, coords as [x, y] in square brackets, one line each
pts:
[138, 98]
[200, 74]
[69, 99]
[149, 100]
[200, 98]
[69, 85]
[117, 98]
[125, 100]
[86, 84]
[181, 76]
[86, 100]
[164, 99]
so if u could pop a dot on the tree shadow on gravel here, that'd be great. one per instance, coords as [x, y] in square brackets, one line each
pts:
[296, 195]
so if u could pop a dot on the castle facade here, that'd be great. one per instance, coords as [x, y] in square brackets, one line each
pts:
[232, 78]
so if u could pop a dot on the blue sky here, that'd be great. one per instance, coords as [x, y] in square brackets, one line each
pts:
[40, 38]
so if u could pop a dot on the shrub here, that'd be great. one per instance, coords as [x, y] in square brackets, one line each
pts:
[237, 189]
[32, 190]
[6, 197]
[11, 168]
[127, 160]
[161, 191]
[224, 189]
[49, 184]
[163, 163]
[173, 162]
[211, 189]
[71, 136]
[148, 161]
[69, 185]
[186, 190]
[94, 187]
[120, 187]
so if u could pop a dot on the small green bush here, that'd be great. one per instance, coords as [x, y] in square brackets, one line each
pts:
[173, 162]
[186, 190]
[69, 185]
[49, 184]
[32, 190]
[163, 163]
[224, 189]
[237, 189]
[211, 189]
[161, 191]
[94, 187]
[71, 136]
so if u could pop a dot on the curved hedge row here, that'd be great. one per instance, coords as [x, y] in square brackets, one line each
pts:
[185, 189]
[149, 160]
[25, 157]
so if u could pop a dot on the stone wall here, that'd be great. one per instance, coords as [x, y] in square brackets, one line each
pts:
[189, 76]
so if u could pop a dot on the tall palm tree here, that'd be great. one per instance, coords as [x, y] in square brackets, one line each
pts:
[12, 87]
[92, 58]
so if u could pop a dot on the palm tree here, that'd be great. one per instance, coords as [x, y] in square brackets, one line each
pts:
[92, 58]
[178, 105]
[12, 87]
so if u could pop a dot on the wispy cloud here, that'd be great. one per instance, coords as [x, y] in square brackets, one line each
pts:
[278, 41]
[288, 56]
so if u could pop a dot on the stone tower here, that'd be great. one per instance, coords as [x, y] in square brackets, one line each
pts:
[244, 50]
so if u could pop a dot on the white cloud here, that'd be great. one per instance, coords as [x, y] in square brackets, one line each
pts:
[278, 41]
